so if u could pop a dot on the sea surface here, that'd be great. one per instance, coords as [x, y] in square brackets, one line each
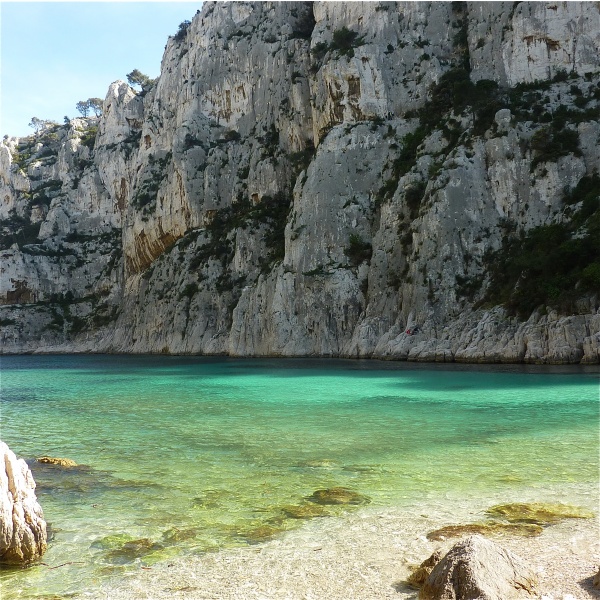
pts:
[185, 455]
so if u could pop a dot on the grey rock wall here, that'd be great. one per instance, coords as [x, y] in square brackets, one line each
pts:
[280, 191]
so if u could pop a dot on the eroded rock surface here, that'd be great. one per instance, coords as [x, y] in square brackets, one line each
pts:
[23, 537]
[478, 568]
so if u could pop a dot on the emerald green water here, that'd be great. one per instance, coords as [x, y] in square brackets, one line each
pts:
[197, 454]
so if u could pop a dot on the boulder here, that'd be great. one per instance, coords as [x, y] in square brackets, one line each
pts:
[476, 568]
[596, 580]
[23, 536]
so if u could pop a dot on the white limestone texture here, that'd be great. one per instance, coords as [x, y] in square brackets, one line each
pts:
[214, 213]
[23, 536]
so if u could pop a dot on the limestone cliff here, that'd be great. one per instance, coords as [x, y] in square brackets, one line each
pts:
[317, 179]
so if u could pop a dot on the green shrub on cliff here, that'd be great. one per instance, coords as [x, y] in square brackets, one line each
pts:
[552, 265]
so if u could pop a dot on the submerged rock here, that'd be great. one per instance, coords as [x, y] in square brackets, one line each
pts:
[23, 533]
[259, 534]
[303, 511]
[133, 549]
[338, 495]
[60, 462]
[176, 535]
[113, 541]
[478, 568]
[538, 513]
[526, 529]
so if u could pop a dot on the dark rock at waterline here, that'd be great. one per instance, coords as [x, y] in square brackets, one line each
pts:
[449, 531]
[477, 568]
[338, 495]
[538, 513]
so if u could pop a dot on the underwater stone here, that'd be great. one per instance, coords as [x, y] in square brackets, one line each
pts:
[478, 568]
[259, 534]
[303, 511]
[526, 529]
[338, 495]
[60, 462]
[113, 541]
[175, 535]
[133, 549]
[23, 533]
[538, 513]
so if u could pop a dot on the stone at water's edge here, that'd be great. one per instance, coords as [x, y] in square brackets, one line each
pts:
[418, 577]
[478, 568]
[23, 536]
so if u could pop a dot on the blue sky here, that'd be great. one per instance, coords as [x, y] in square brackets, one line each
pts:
[54, 54]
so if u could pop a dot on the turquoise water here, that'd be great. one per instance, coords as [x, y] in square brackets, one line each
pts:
[193, 455]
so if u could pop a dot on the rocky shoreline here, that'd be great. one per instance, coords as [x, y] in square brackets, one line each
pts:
[483, 338]
[369, 554]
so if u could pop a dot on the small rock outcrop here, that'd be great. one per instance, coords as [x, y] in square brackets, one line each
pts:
[23, 536]
[420, 574]
[478, 568]
[59, 462]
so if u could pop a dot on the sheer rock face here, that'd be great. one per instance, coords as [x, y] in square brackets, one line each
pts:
[214, 214]
[479, 568]
[23, 536]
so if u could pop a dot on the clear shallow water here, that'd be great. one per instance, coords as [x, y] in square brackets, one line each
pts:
[194, 455]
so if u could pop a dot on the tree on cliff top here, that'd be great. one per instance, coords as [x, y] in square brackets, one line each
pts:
[182, 31]
[96, 105]
[84, 106]
[39, 125]
[136, 77]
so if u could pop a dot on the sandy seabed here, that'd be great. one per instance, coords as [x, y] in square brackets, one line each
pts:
[365, 555]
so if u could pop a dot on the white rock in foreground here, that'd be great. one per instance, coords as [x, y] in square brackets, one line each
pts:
[478, 568]
[23, 535]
